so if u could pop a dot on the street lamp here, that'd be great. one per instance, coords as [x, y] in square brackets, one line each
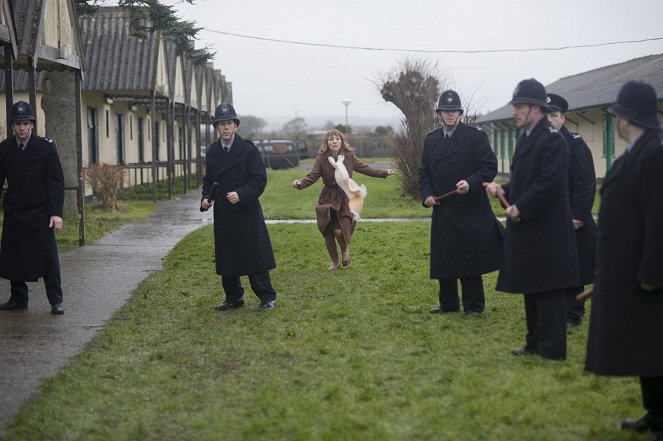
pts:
[346, 102]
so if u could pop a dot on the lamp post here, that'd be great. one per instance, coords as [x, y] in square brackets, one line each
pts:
[346, 102]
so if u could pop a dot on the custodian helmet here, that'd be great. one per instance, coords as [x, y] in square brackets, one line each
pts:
[22, 111]
[530, 91]
[449, 100]
[637, 102]
[225, 112]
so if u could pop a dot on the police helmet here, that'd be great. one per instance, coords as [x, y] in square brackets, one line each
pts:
[449, 100]
[22, 111]
[637, 102]
[225, 112]
[530, 91]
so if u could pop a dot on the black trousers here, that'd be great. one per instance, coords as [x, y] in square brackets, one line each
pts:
[19, 290]
[261, 285]
[545, 314]
[575, 310]
[473, 295]
[652, 396]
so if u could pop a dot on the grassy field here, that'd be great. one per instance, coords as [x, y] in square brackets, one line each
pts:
[349, 354]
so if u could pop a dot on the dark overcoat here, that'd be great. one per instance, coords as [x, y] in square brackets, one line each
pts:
[35, 192]
[540, 250]
[626, 324]
[332, 196]
[465, 237]
[241, 241]
[582, 191]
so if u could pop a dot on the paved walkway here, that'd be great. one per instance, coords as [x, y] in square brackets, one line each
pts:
[96, 281]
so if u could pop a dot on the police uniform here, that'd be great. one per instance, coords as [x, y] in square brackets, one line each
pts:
[466, 238]
[582, 191]
[35, 192]
[241, 241]
[626, 324]
[540, 249]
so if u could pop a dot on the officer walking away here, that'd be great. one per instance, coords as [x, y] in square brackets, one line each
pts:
[234, 180]
[539, 245]
[582, 190]
[32, 206]
[465, 238]
[626, 324]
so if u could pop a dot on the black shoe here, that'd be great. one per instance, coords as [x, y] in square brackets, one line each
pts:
[225, 306]
[522, 351]
[268, 306]
[647, 422]
[57, 309]
[472, 313]
[440, 310]
[11, 304]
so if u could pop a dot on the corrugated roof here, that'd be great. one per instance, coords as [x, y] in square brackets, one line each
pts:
[117, 62]
[598, 87]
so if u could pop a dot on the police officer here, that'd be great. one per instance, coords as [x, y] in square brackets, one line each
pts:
[626, 324]
[241, 241]
[466, 238]
[32, 206]
[539, 244]
[582, 190]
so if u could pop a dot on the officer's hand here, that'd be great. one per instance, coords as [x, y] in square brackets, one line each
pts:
[430, 201]
[232, 197]
[513, 213]
[493, 188]
[55, 223]
[647, 286]
[577, 224]
[462, 186]
[205, 204]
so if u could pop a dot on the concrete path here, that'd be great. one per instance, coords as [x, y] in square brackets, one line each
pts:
[96, 280]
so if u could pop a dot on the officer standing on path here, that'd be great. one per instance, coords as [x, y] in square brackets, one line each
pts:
[582, 190]
[234, 180]
[539, 245]
[626, 324]
[466, 238]
[32, 207]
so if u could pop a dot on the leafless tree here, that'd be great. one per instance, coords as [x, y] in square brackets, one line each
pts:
[414, 87]
[296, 129]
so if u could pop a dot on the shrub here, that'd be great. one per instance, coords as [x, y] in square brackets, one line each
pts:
[105, 180]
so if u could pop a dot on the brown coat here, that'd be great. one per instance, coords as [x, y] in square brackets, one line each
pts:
[331, 196]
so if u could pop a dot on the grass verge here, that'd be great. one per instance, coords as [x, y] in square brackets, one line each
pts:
[351, 354]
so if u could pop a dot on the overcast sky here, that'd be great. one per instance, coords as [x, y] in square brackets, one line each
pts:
[274, 80]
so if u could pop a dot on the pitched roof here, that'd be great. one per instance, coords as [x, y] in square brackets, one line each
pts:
[598, 87]
[116, 61]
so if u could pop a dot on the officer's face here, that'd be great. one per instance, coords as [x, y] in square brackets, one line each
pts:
[556, 119]
[23, 129]
[521, 113]
[449, 118]
[226, 130]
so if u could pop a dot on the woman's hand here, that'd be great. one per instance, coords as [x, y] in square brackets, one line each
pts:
[297, 184]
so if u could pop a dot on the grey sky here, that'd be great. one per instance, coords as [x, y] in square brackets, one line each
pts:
[273, 80]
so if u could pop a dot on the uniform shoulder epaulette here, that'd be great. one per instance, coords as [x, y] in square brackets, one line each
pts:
[478, 129]
[251, 142]
[430, 133]
[48, 140]
[552, 129]
[576, 135]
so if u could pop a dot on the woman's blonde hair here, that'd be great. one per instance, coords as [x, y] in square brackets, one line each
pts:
[344, 144]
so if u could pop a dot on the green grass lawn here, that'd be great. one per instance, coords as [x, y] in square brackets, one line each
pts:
[349, 354]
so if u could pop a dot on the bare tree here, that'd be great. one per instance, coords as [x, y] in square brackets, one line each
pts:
[251, 127]
[296, 129]
[414, 88]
